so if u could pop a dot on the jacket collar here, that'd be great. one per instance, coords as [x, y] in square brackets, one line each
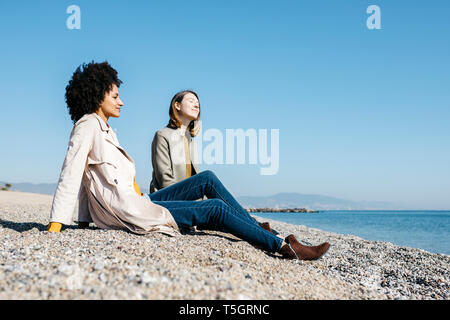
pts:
[102, 123]
[106, 128]
[182, 133]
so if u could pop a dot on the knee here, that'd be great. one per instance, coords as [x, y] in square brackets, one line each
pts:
[220, 207]
[220, 210]
[217, 203]
[209, 174]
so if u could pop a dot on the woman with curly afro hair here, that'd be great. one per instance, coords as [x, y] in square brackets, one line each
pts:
[100, 174]
[87, 88]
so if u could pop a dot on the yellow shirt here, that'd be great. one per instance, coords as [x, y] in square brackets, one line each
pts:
[188, 158]
[136, 188]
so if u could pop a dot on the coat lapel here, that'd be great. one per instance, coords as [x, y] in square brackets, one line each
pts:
[108, 136]
[117, 145]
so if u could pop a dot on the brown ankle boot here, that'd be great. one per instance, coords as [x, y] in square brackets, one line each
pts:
[295, 250]
[266, 226]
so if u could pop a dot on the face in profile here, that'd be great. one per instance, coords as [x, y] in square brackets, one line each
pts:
[111, 104]
[189, 107]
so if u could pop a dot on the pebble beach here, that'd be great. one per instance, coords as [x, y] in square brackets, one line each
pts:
[93, 263]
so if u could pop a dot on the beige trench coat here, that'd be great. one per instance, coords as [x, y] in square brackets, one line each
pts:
[99, 173]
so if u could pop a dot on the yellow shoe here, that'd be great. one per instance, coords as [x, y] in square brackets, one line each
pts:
[54, 227]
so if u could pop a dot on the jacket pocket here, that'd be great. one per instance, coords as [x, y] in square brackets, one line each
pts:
[94, 162]
[105, 170]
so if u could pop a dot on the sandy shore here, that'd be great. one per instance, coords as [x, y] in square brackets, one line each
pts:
[100, 264]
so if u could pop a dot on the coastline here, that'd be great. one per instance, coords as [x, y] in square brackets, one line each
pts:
[300, 210]
[111, 264]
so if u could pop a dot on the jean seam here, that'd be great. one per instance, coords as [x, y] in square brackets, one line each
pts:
[189, 188]
[258, 228]
[212, 186]
[238, 216]
[221, 198]
[236, 213]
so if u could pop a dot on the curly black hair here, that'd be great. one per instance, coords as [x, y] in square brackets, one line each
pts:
[88, 86]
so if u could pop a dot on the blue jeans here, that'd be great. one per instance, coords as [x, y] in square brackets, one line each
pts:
[220, 210]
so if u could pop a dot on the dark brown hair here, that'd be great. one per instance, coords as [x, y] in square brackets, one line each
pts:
[175, 122]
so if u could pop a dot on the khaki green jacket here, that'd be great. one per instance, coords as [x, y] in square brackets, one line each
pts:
[169, 158]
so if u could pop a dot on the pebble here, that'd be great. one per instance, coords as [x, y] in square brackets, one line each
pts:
[99, 266]
[116, 264]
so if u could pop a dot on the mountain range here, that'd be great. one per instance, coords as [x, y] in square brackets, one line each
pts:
[279, 200]
[313, 201]
[42, 188]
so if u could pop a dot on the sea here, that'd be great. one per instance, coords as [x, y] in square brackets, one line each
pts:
[427, 230]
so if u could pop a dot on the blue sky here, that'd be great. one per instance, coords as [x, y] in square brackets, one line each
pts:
[362, 114]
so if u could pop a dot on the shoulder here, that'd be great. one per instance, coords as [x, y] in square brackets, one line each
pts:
[87, 125]
[88, 121]
[165, 132]
[160, 139]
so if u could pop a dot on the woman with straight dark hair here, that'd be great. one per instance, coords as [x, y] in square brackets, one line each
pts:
[101, 174]
[174, 152]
